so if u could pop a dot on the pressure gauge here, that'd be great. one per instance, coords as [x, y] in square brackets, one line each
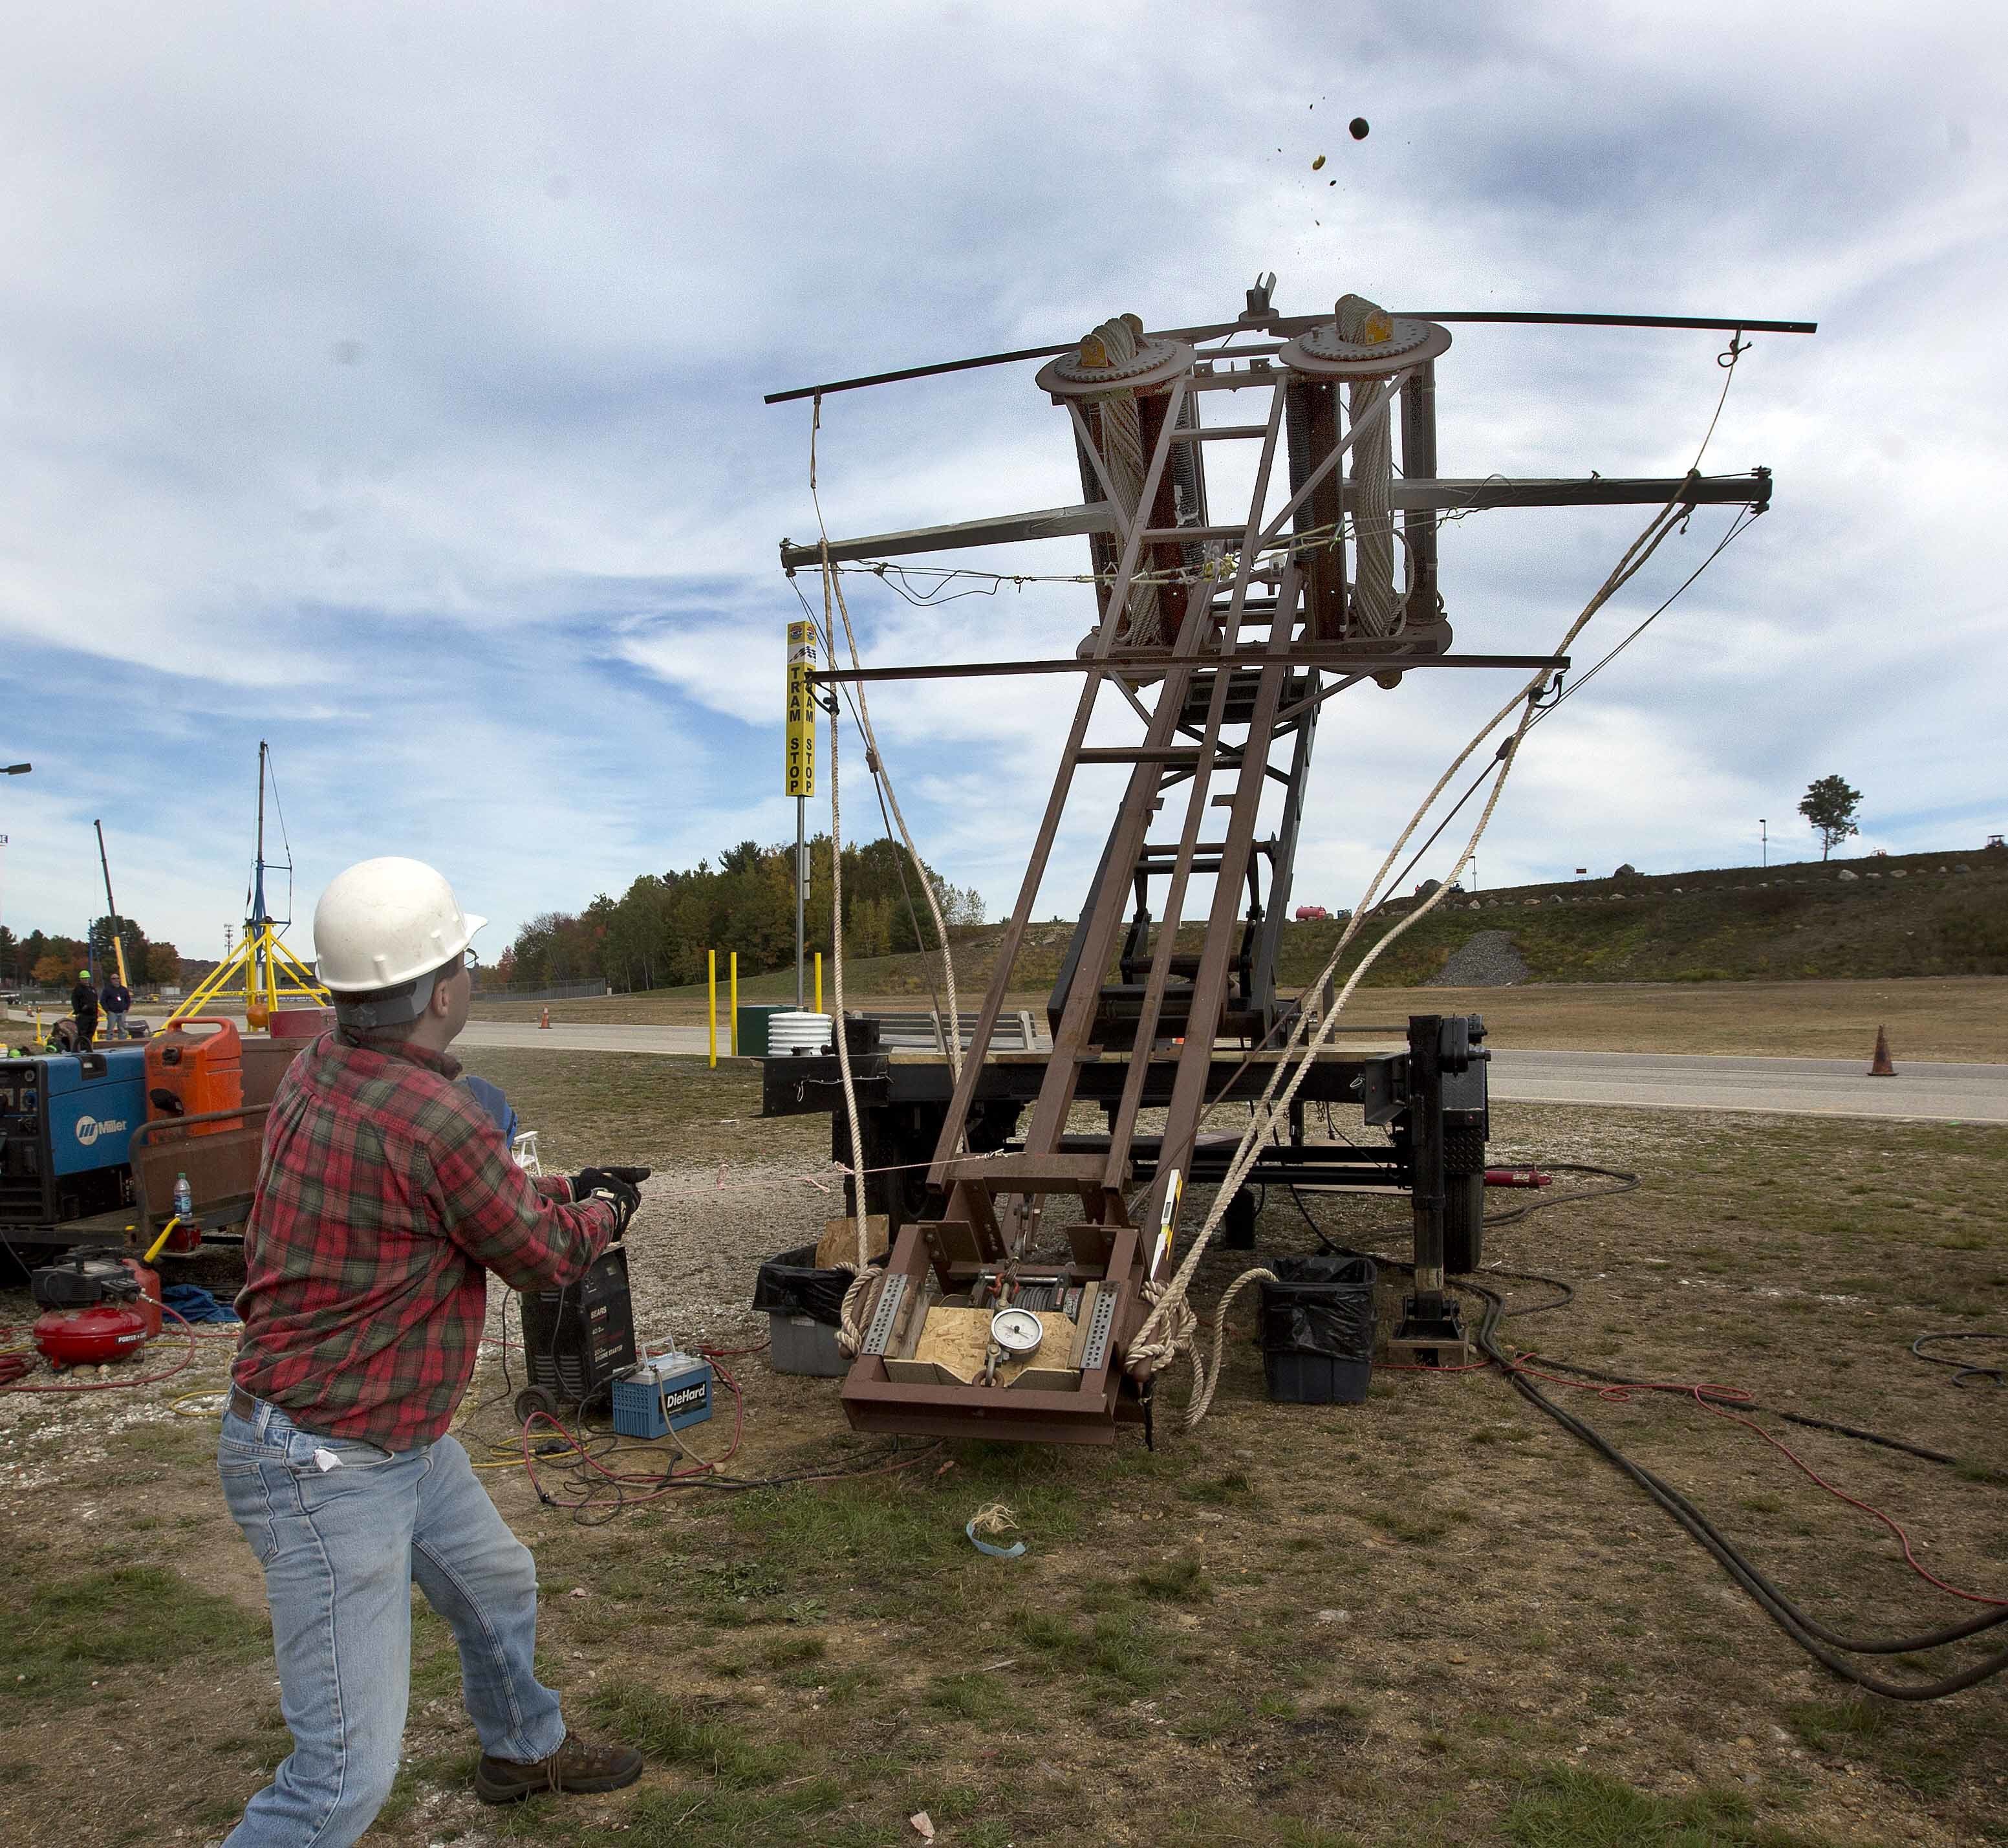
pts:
[1017, 1331]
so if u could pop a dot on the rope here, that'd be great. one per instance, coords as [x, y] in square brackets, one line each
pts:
[1206, 1380]
[850, 1327]
[1165, 1332]
[875, 762]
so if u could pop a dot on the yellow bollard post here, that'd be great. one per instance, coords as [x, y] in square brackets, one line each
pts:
[733, 1004]
[818, 998]
[710, 979]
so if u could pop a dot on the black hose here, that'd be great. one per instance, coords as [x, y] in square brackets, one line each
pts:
[1807, 1632]
[1812, 1636]
[1962, 1373]
[1628, 1183]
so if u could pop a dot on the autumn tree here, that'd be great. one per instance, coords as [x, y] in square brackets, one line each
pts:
[1829, 807]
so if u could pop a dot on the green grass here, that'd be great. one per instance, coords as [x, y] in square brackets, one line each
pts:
[1566, 1808]
[1116, 1647]
[727, 1818]
[65, 1635]
[671, 1732]
[1923, 1753]
[1182, 1581]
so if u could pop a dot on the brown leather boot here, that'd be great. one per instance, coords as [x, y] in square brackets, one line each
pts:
[573, 1768]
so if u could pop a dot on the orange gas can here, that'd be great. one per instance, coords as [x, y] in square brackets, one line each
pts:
[192, 1073]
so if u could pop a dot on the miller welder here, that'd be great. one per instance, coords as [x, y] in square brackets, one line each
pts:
[66, 1124]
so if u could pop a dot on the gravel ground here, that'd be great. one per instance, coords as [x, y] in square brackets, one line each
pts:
[1486, 959]
[696, 1245]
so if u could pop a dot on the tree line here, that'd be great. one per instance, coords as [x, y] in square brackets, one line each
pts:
[52, 961]
[656, 934]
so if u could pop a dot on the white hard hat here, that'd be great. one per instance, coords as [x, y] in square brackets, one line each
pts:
[384, 922]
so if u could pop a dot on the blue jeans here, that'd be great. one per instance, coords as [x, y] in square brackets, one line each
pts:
[340, 1548]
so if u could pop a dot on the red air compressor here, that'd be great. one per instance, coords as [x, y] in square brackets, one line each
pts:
[101, 1305]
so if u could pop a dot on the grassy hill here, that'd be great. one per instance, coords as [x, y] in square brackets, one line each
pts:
[1913, 915]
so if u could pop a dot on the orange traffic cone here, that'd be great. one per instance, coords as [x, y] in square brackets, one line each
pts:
[546, 1021]
[1879, 1066]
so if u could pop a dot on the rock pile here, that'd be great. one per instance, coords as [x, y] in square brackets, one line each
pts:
[1486, 959]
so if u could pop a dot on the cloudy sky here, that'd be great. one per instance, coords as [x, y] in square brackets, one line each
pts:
[384, 381]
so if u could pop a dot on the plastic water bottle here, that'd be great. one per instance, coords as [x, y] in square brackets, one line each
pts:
[184, 1197]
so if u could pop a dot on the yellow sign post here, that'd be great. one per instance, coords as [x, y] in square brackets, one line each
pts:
[799, 769]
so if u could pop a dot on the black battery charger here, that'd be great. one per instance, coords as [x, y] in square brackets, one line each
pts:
[577, 1340]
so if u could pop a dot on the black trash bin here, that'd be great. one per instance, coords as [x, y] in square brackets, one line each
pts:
[804, 1305]
[1317, 1330]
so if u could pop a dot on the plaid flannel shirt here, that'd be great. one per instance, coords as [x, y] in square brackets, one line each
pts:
[385, 1195]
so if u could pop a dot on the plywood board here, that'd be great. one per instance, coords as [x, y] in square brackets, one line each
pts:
[957, 1340]
[837, 1248]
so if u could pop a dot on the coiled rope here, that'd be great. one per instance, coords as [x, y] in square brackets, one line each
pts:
[1375, 610]
[1122, 455]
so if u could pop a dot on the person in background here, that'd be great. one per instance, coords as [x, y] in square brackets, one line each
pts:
[490, 1095]
[116, 999]
[84, 1006]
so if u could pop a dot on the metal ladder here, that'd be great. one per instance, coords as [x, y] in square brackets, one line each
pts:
[1214, 665]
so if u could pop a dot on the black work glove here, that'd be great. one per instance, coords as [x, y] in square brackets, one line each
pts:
[616, 1186]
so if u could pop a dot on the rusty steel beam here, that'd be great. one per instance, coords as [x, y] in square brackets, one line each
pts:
[1298, 323]
[1451, 494]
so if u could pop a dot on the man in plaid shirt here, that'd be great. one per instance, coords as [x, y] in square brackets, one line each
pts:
[385, 1195]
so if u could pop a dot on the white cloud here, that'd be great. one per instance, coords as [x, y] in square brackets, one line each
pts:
[386, 382]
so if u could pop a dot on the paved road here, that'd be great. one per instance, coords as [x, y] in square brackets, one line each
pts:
[1804, 1086]
[559, 1038]
[1666, 1080]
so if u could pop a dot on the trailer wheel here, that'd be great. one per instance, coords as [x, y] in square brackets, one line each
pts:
[532, 1399]
[1237, 1227]
[1464, 1221]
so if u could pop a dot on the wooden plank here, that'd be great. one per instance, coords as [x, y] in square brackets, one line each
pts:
[837, 1248]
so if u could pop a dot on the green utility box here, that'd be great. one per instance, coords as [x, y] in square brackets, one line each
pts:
[750, 1040]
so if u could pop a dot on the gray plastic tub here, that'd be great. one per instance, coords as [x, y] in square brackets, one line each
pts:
[801, 1344]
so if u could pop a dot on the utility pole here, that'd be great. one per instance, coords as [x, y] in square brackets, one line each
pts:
[16, 769]
[1764, 835]
[112, 906]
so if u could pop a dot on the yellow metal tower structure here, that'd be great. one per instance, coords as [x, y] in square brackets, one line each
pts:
[266, 971]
